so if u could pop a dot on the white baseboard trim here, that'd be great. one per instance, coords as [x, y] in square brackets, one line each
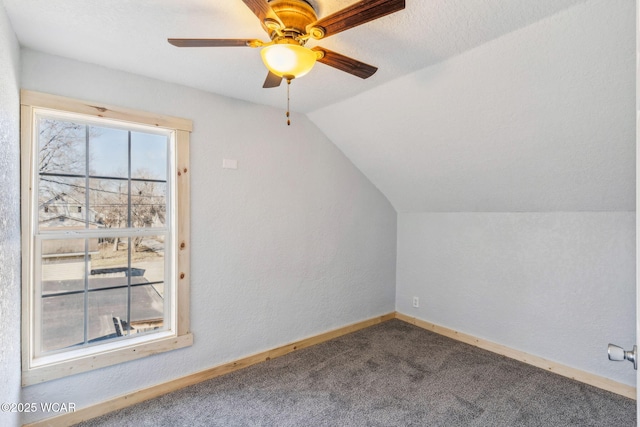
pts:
[557, 368]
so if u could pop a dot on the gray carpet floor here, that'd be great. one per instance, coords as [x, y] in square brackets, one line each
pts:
[391, 374]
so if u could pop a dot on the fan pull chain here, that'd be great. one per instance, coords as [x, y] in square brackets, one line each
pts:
[288, 101]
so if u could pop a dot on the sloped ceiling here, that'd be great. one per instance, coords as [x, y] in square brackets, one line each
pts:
[540, 119]
[478, 105]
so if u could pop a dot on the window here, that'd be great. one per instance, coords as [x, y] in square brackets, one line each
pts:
[105, 235]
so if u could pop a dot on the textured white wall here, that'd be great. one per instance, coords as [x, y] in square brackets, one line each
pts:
[293, 243]
[9, 219]
[560, 285]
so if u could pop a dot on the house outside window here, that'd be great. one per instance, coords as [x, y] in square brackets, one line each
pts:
[105, 231]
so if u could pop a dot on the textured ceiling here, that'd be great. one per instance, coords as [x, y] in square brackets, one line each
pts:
[478, 105]
[131, 35]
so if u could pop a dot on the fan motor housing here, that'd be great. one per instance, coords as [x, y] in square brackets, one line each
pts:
[296, 15]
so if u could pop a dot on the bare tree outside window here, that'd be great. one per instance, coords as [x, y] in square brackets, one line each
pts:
[62, 146]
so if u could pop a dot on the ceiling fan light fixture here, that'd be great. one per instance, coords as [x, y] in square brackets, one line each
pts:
[288, 60]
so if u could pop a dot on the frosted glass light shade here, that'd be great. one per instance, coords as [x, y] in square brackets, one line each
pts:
[288, 60]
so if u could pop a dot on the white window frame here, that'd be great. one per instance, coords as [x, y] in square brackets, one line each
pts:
[36, 370]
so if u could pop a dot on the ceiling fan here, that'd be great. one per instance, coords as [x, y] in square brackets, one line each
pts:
[290, 24]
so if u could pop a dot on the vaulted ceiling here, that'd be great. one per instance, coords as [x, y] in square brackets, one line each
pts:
[478, 105]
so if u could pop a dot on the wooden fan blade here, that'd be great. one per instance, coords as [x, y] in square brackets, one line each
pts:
[262, 10]
[346, 64]
[272, 80]
[212, 42]
[357, 14]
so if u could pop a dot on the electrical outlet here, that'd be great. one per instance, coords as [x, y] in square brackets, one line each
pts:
[416, 302]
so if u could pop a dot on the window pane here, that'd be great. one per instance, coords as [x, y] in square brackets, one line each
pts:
[109, 202]
[63, 265]
[149, 261]
[107, 311]
[61, 146]
[62, 321]
[147, 302]
[108, 152]
[147, 308]
[61, 203]
[149, 156]
[148, 204]
[110, 263]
